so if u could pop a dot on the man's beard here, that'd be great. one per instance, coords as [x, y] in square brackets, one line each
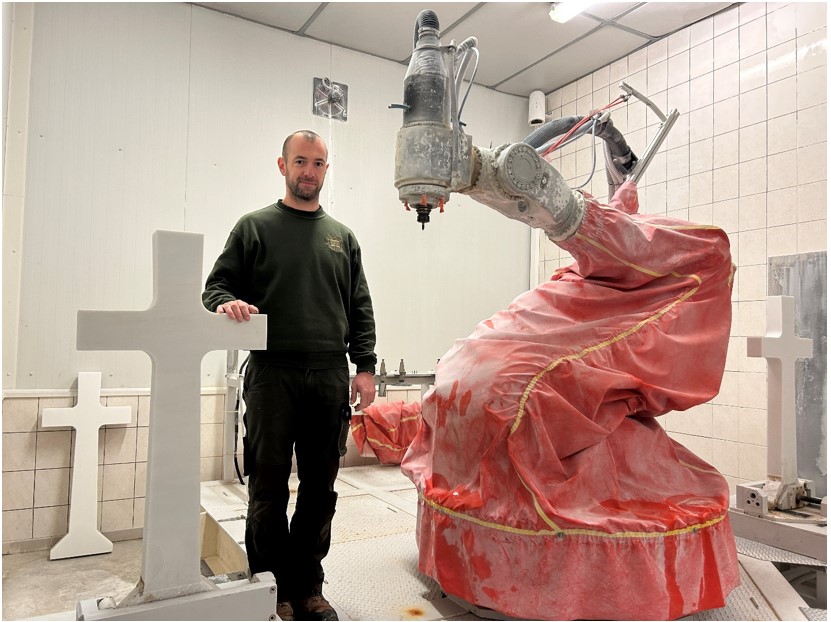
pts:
[306, 193]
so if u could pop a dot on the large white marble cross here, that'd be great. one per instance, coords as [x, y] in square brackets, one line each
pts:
[781, 347]
[87, 417]
[176, 331]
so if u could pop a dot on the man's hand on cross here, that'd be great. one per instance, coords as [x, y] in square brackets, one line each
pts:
[238, 310]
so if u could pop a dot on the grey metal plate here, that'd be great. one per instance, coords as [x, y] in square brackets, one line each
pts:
[757, 550]
[378, 476]
[409, 495]
[340, 487]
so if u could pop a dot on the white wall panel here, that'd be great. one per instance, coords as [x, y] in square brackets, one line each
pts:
[106, 167]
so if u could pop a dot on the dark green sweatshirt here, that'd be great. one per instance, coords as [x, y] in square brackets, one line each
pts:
[302, 269]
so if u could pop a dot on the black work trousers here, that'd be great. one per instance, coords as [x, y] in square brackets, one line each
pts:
[304, 411]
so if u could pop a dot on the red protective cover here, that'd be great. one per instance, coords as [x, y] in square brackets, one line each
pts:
[547, 489]
[385, 431]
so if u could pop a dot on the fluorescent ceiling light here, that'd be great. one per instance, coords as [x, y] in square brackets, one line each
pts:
[564, 11]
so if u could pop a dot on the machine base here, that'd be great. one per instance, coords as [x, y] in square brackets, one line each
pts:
[798, 537]
[246, 599]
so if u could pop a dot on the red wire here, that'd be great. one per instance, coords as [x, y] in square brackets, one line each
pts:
[620, 99]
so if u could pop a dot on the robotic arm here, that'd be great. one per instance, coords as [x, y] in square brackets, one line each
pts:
[434, 157]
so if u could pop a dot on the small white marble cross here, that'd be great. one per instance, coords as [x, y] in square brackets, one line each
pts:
[781, 347]
[87, 417]
[176, 331]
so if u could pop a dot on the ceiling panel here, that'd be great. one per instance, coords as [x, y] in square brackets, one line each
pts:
[286, 15]
[513, 36]
[383, 29]
[660, 18]
[577, 60]
[533, 35]
[609, 10]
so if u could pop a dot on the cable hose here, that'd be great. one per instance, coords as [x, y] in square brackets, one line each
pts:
[619, 157]
[550, 130]
[475, 52]
[617, 145]
[606, 130]
[236, 420]
[236, 466]
[620, 160]
[594, 157]
[614, 177]
[470, 42]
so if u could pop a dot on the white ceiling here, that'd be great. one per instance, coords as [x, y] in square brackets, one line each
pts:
[521, 49]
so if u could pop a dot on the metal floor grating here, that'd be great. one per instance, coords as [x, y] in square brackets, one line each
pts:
[386, 569]
[743, 603]
[814, 614]
[364, 517]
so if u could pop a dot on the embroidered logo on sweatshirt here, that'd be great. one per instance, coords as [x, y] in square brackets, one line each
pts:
[335, 243]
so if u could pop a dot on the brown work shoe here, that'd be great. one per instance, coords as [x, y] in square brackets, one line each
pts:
[285, 611]
[318, 608]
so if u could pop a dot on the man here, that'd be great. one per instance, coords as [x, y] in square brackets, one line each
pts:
[303, 269]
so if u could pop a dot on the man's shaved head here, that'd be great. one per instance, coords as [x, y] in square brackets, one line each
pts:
[307, 134]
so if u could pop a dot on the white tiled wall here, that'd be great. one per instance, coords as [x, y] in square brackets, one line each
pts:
[37, 461]
[747, 154]
[43, 455]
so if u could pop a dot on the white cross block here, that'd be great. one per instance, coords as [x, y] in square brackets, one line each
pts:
[176, 331]
[781, 347]
[87, 417]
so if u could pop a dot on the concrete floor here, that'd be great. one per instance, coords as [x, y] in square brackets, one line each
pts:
[34, 586]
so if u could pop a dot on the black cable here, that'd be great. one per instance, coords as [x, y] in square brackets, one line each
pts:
[236, 418]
